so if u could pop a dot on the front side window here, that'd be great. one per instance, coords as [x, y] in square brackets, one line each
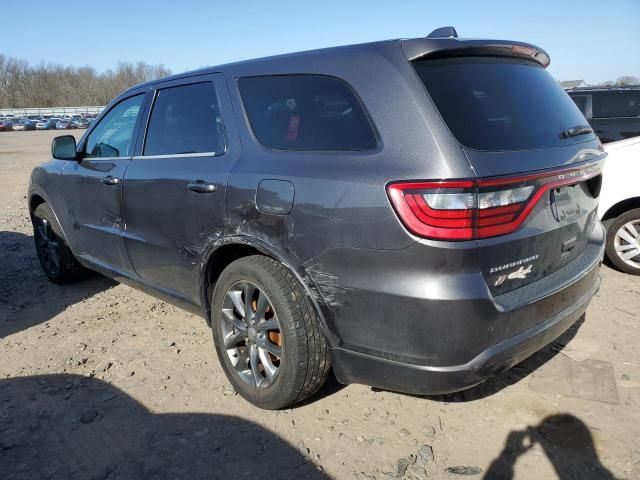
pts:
[185, 120]
[616, 104]
[306, 112]
[113, 136]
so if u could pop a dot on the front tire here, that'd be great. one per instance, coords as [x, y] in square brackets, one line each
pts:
[267, 334]
[623, 242]
[56, 259]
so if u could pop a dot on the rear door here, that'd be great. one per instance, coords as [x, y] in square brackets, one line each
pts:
[174, 188]
[537, 165]
[92, 187]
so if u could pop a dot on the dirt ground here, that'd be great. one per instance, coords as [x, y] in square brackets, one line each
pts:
[98, 380]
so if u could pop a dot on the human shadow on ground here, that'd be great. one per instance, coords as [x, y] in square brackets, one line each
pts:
[565, 440]
[27, 297]
[68, 426]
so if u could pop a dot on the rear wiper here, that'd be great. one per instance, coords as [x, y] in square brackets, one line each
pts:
[575, 131]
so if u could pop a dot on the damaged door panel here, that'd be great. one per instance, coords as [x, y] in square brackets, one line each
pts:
[174, 189]
[93, 185]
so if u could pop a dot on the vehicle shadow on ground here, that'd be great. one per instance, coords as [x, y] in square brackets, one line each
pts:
[565, 440]
[27, 298]
[69, 426]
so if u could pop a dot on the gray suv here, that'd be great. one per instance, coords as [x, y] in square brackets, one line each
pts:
[415, 214]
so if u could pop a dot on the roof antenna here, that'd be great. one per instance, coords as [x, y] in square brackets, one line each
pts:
[443, 32]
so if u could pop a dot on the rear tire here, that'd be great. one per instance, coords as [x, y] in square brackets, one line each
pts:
[56, 259]
[277, 317]
[623, 242]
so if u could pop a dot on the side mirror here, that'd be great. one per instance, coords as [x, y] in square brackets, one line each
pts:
[64, 148]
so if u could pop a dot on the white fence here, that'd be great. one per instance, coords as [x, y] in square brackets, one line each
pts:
[53, 111]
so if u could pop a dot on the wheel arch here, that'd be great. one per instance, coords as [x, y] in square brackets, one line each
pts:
[619, 208]
[230, 249]
[35, 200]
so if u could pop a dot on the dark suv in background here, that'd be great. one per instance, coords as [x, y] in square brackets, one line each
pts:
[612, 112]
[417, 214]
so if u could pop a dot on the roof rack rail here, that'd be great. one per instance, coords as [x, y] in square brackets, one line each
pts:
[443, 32]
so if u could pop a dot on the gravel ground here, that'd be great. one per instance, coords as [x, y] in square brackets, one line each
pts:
[98, 380]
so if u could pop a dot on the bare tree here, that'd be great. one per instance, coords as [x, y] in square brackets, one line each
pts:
[51, 85]
[628, 80]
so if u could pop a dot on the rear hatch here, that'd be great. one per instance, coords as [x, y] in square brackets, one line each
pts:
[537, 164]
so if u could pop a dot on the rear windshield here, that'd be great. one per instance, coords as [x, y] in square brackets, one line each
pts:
[494, 103]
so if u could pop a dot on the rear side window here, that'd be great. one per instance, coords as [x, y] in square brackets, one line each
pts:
[185, 120]
[616, 104]
[306, 112]
[495, 103]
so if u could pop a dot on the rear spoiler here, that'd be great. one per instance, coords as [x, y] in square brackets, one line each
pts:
[427, 48]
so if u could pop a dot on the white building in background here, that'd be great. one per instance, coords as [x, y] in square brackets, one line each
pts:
[573, 84]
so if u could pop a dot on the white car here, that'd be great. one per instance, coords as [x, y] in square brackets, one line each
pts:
[620, 204]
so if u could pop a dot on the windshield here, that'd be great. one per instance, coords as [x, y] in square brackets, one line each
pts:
[495, 103]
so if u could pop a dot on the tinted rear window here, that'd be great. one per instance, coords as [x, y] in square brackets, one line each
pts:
[616, 104]
[305, 112]
[492, 103]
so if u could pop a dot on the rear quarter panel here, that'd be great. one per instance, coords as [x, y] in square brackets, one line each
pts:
[340, 200]
[340, 197]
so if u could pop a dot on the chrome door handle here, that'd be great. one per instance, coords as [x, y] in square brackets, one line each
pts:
[200, 186]
[110, 180]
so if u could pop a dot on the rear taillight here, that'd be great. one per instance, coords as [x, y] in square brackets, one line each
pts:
[481, 208]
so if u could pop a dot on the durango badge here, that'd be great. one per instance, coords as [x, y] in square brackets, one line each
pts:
[520, 273]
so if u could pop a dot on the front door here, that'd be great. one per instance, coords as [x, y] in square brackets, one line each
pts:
[174, 191]
[92, 187]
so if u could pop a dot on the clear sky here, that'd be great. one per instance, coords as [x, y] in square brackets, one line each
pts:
[594, 40]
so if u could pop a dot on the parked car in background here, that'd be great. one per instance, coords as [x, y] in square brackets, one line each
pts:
[612, 112]
[6, 126]
[620, 204]
[80, 123]
[461, 244]
[23, 124]
[46, 124]
[64, 124]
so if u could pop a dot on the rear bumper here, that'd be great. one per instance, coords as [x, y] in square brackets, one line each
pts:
[445, 334]
[356, 367]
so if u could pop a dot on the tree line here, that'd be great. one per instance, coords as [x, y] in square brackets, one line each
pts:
[622, 81]
[50, 85]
